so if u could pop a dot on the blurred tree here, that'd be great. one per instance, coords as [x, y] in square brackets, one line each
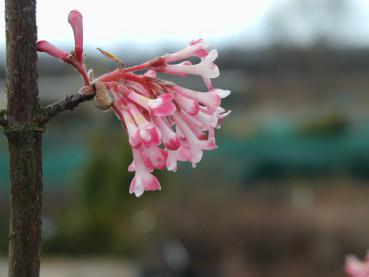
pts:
[100, 220]
[307, 22]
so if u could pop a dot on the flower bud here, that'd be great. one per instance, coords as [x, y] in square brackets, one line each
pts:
[75, 20]
[52, 50]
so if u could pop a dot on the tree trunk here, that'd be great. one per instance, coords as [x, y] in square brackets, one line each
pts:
[26, 204]
[24, 137]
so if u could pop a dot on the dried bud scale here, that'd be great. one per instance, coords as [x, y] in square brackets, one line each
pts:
[103, 98]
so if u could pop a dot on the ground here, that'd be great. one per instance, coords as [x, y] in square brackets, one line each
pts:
[81, 268]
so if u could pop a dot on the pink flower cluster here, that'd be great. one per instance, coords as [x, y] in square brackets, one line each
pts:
[165, 122]
[356, 268]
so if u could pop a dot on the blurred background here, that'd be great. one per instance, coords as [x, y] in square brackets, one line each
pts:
[285, 194]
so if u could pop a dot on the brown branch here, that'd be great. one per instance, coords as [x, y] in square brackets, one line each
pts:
[68, 103]
[3, 118]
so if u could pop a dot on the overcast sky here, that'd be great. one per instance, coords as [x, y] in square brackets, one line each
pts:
[115, 23]
[110, 22]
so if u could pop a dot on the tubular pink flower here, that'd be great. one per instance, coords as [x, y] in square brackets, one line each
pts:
[131, 127]
[171, 162]
[154, 156]
[356, 268]
[222, 113]
[143, 180]
[208, 99]
[169, 137]
[161, 106]
[221, 92]
[149, 133]
[207, 120]
[189, 105]
[197, 48]
[135, 87]
[208, 83]
[206, 68]
[45, 46]
[194, 143]
[75, 20]
[181, 154]
[196, 126]
[195, 152]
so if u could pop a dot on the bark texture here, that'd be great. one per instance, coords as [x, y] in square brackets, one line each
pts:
[24, 137]
[26, 204]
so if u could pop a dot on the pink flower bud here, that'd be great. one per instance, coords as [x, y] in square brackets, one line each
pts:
[45, 46]
[75, 20]
[356, 268]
